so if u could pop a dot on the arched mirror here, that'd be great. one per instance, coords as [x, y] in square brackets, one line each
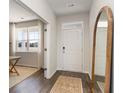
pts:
[102, 51]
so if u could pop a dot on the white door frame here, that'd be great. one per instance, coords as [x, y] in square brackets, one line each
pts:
[82, 23]
[46, 59]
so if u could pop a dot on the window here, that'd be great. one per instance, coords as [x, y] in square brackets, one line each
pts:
[27, 39]
[21, 39]
[33, 38]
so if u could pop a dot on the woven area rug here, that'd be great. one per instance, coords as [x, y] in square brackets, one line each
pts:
[24, 72]
[66, 84]
[101, 86]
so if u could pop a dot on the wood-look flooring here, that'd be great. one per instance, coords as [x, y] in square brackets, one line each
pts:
[36, 83]
[96, 87]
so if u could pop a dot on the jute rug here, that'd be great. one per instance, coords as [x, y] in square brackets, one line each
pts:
[24, 72]
[101, 86]
[66, 84]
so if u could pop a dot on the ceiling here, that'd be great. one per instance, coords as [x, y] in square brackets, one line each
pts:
[18, 14]
[65, 7]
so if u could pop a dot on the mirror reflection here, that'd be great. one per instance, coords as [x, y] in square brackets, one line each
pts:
[100, 53]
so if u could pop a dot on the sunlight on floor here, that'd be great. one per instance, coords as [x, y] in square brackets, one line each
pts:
[24, 72]
[101, 85]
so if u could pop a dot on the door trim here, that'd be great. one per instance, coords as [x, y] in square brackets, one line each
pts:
[83, 37]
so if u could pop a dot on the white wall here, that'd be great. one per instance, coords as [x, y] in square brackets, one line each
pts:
[41, 49]
[10, 38]
[95, 8]
[26, 24]
[74, 18]
[42, 8]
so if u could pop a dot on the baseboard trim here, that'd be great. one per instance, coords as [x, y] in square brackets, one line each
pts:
[25, 66]
[30, 66]
[49, 76]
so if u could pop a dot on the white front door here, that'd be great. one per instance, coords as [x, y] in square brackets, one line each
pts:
[72, 50]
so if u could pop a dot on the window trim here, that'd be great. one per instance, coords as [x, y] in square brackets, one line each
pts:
[28, 45]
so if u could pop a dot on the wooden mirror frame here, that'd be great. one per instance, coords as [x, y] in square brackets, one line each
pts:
[110, 29]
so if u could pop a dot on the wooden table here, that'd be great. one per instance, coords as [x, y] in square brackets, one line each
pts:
[13, 60]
